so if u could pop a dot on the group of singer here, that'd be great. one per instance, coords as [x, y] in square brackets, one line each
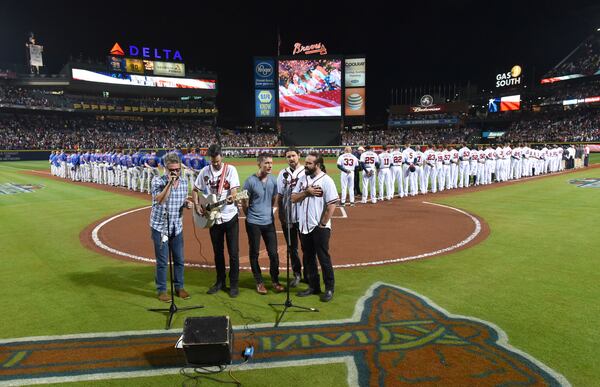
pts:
[305, 196]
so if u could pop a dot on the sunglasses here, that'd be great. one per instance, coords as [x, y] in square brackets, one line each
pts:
[174, 170]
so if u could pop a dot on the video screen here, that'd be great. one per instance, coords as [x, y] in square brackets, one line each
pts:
[141, 80]
[310, 88]
[504, 104]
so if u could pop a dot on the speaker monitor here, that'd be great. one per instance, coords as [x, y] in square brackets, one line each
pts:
[208, 341]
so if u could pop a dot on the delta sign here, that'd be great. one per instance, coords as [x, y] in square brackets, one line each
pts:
[147, 52]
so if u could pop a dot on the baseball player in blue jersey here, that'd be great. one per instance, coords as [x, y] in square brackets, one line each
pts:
[197, 162]
[134, 170]
[151, 163]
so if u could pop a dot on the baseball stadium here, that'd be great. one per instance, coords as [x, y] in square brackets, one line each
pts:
[416, 230]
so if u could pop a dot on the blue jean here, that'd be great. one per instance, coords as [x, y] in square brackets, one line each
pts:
[161, 251]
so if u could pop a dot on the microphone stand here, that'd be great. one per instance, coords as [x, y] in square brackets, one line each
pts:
[288, 301]
[172, 309]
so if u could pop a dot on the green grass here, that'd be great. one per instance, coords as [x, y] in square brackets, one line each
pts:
[535, 276]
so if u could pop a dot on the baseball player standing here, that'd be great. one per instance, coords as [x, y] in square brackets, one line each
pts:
[397, 172]
[384, 174]
[346, 163]
[453, 167]
[408, 158]
[464, 168]
[369, 161]
[430, 168]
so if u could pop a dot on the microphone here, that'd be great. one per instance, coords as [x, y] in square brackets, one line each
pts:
[286, 174]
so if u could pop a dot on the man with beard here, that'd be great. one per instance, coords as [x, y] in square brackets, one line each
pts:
[222, 180]
[286, 182]
[316, 196]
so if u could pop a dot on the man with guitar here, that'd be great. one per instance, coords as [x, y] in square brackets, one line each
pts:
[262, 190]
[222, 180]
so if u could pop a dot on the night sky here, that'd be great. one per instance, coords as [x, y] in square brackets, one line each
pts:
[408, 44]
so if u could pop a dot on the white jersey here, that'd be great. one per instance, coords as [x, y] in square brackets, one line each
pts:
[500, 153]
[397, 158]
[454, 155]
[491, 154]
[464, 154]
[385, 160]
[429, 157]
[507, 152]
[447, 156]
[369, 159]
[285, 187]
[439, 158]
[419, 159]
[347, 161]
[474, 155]
[209, 181]
[311, 208]
[516, 153]
[408, 155]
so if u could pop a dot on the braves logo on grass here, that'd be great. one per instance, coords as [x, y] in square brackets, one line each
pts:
[12, 188]
[395, 337]
[588, 182]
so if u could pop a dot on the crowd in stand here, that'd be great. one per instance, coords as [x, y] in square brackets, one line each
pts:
[409, 135]
[52, 132]
[561, 92]
[579, 126]
[58, 99]
[246, 139]
[585, 60]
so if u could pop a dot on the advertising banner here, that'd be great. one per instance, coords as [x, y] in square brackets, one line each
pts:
[355, 101]
[265, 103]
[135, 66]
[264, 73]
[355, 72]
[169, 69]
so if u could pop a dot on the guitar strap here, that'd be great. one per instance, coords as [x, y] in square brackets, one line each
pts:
[222, 180]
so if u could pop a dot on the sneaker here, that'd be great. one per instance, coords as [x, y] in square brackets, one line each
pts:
[234, 292]
[260, 288]
[278, 287]
[164, 297]
[181, 293]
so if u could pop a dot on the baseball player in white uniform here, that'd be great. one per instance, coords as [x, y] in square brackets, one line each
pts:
[397, 172]
[384, 175]
[440, 164]
[491, 157]
[464, 168]
[507, 158]
[408, 156]
[430, 169]
[346, 164]
[420, 172]
[515, 163]
[454, 168]
[369, 161]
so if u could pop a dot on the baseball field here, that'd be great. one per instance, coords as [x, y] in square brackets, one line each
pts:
[521, 306]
